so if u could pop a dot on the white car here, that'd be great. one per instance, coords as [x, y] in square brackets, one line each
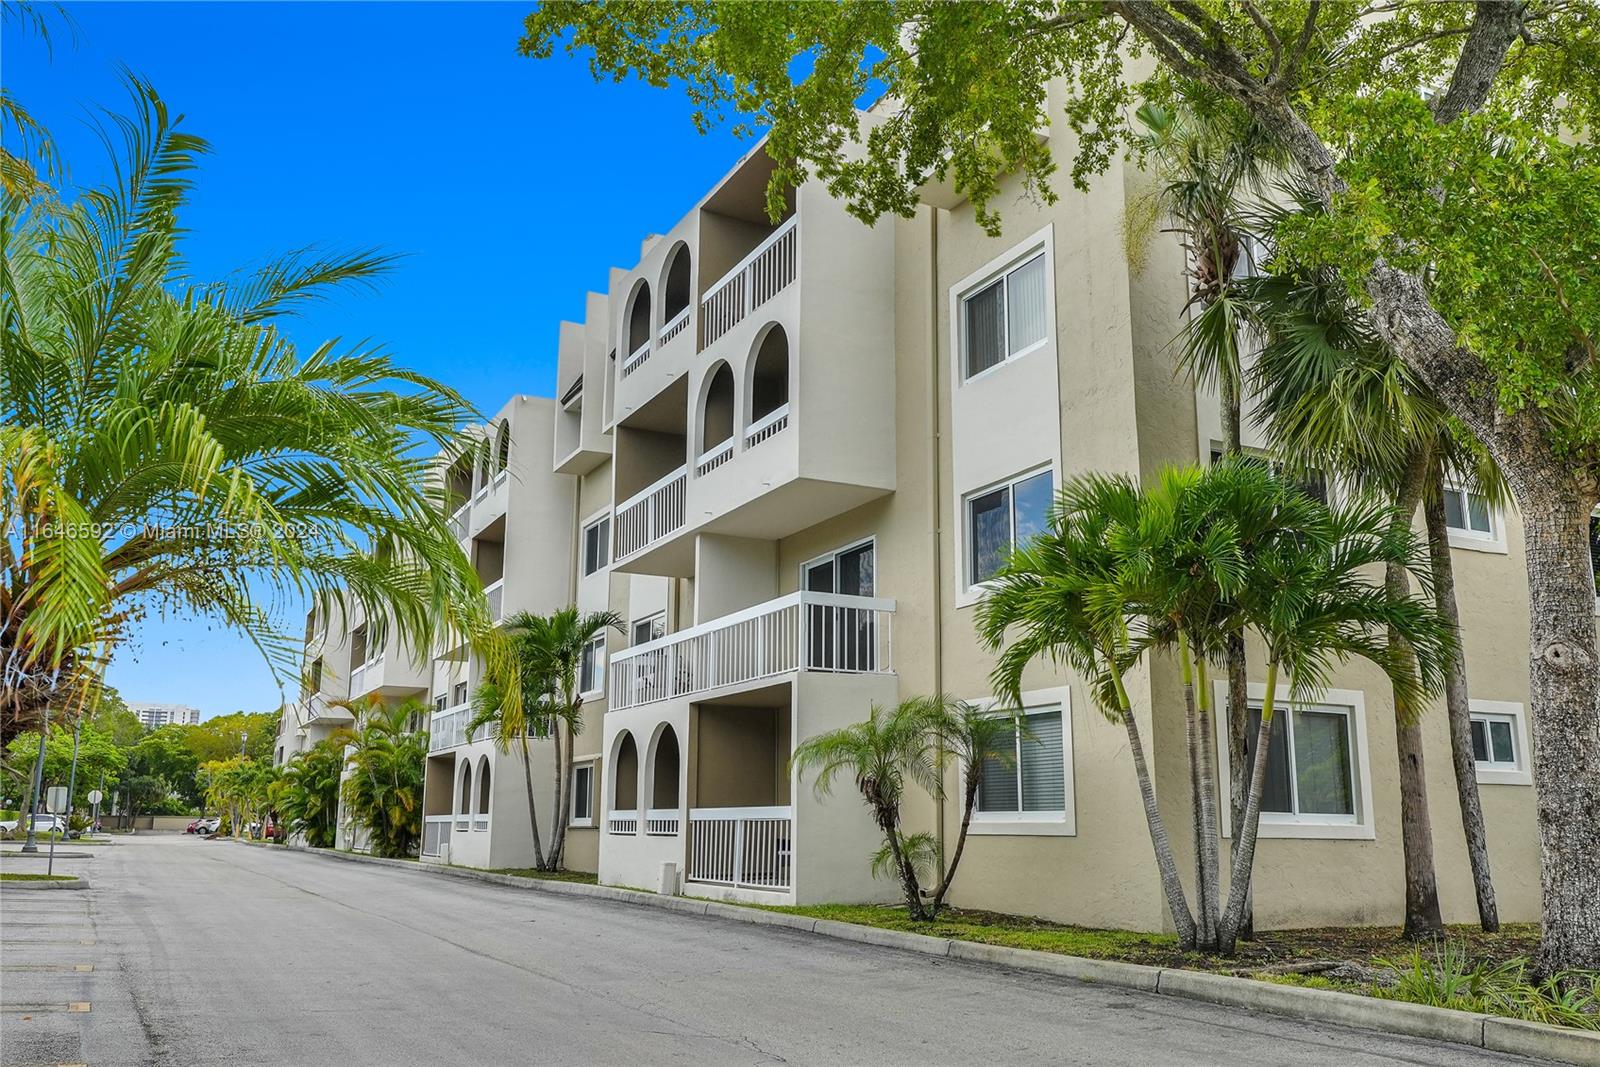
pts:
[41, 824]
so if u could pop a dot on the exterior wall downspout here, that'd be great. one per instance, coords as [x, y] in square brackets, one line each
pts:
[935, 497]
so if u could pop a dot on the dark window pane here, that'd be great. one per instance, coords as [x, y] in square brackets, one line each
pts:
[1322, 763]
[997, 788]
[1478, 512]
[985, 340]
[855, 571]
[1275, 797]
[1043, 772]
[1454, 513]
[1032, 497]
[991, 532]
[1500, 741]
[1480, 741]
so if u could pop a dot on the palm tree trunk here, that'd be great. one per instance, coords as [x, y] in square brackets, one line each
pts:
[1249, 828]
[553, 860]
[1171, 884]
[1210, 859]
[533, 815]
[1422, 918]
[1205, 911]
[1458, 705]
[1238, 683]
[969, 801]
[889, 822]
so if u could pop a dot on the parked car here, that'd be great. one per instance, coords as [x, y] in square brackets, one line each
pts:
[193, 827]
[41, 823]
[209, 826]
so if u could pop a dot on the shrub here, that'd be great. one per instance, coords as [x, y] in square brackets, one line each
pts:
[1446, 977]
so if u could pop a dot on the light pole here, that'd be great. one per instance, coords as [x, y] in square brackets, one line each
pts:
[32, 843]
[72, 777]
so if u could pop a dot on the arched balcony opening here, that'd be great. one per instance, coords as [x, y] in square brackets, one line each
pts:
[639, 320]
[677, 290]
[717, 408]
[769, 387]
[480, 819]
[502, 449]
[625, 787]
[464, 798]
[662, 816]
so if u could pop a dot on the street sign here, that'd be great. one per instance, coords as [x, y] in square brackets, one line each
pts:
[55, 798]
[95, 796]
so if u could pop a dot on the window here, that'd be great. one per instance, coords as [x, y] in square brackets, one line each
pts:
[651, 628]
[849, 571]
[1313, 483]
[592, 666]
[596, 545]
[1026, 782]
[582, 795]
[1310, 765]
[841, 636]
[1002, 518]
[440, 703]
[1472, 522]
[1499, 743]
[1006, 317]
[458, 695]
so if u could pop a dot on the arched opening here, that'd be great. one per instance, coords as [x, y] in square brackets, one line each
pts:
[769, 378]
[483, 786]
[502, 448]
[675, 293]
[716, 421]
[465, 807]
[639, 319]
[664, 770]
[625, 775]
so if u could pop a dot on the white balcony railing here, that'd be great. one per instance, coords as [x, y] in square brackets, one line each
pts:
[758, 278]
[673, 327]
[494, 593]
[661, 822]
[636, 359]
[714, 459]
[752, 848]
[802, 631]
[448, 729]
[480, 823]
[651, 514]
[319, 710]
[436, 835]
[767, 427]
[458, 520]
[623, 822]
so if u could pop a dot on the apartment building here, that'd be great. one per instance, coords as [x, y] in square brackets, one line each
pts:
[788, 455]
[153, 716]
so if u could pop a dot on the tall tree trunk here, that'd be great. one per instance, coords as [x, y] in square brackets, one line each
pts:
[1249, 827]
[1458, 705]
[1205, 910]
[969, 801]
[1422, 918]
[1171, 884]
[1566, 721]
[888, 819]
[1238, 683]
[533, 815]
[1210, 831]
[553, 860]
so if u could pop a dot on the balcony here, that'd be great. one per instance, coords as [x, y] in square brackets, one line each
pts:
[651, 515]
[320, 712]
[366, 677]
[448, 729]
[803, 631]
[459, 519]
[494, 593]
[623, 822]
[436, 835]
[757, 278]
[745, 848]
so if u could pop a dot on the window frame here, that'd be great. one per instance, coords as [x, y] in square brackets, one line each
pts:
[1023, 252]
[1476, 540]
[969, 584]
[1033, 823]
[1352, 702]
[574, 821]
[465, 692]
[652, 618]
[1521, 772]
[602, 661]
[832, 556]
[603, 540]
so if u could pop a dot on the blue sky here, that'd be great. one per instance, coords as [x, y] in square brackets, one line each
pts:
[511, 185]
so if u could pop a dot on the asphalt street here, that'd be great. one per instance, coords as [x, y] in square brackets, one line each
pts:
[197, 953]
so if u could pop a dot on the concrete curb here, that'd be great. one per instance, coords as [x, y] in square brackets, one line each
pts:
[75, 883]
[1535, 1040]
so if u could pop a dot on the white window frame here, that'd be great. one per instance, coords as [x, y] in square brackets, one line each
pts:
[573, 820]
[1475, 540]
[465, 691]
[1521, 771]
[833, 556]
[973, 590]
[1042, 241]
[633, 637]
[593, 521]
[1033, 823]
[602, 661]
[1353, 702]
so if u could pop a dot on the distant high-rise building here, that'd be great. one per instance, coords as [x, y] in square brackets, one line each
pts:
[154, 715]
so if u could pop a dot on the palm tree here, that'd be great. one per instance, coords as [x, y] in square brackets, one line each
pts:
[164, 446]
[1212, 163]
[1196, 557]
[536, 691]
[1334, 398]
[973, 737]
[889, 750]
[383, 792]
[307, 798]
